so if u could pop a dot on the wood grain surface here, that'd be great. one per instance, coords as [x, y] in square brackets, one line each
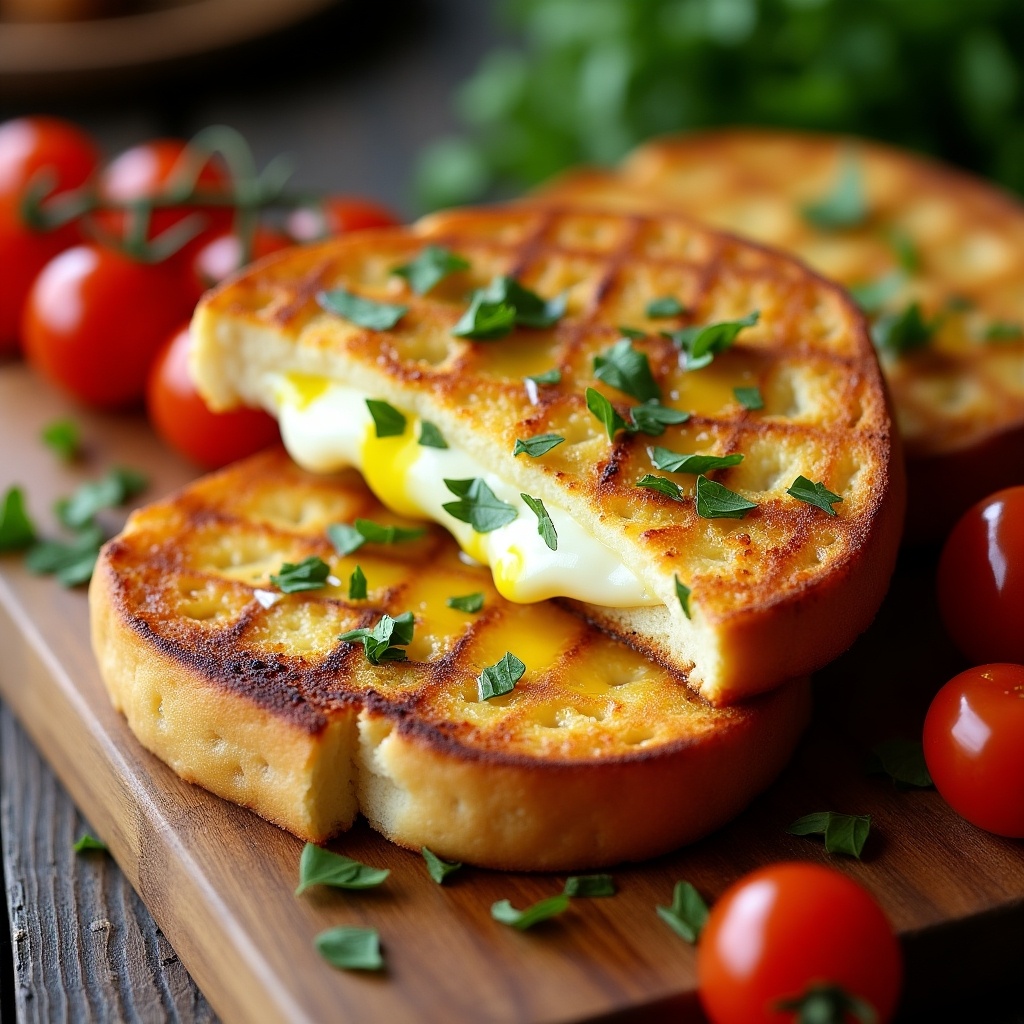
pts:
[219, 881]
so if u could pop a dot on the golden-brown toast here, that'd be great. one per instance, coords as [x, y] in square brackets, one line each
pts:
[931, 235]
[595, 756]
[774, 594]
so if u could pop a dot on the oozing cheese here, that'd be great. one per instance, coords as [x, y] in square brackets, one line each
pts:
[326, 426]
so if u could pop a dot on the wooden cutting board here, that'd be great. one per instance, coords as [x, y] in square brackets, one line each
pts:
[220, 881]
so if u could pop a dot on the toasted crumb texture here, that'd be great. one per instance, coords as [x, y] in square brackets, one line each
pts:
[596, 756]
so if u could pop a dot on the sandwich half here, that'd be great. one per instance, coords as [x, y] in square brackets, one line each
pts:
[683, 434]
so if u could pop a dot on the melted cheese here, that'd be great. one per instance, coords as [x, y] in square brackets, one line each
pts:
[326, 426]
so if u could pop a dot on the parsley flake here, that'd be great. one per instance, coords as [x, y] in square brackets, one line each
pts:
[383, 642]
[531, 309]
[438, 869]
[874, 296]
[468, 603]
[501, 677]
[1002, 330]
[62, 436]
[903, 761]
[430, 436]
[386, 418]
[318, 866]
[627, 369]
[683, 593]
[347, 539]
[504, 912]
[688, 913]
[846, 205]
[633, 333]
[844, 833]
[907, 254]
[376, 316]
[749, 398]
[674, 462]
[665, 306]
[545, 527]
[484, 320]
[662, 485]
[700, 345]
[478, 505]
[352, 949]
[902, 332]
[309, 574]
[823, 1003]
[109, 491]
[589, 886]
[816, 494]
[717, 502]
[605, 412]
[72, 562]
[537, 446]
[16, 529]
[86, 843]
[547, 377]
[652, 418]
[430, 268]
[357, 585]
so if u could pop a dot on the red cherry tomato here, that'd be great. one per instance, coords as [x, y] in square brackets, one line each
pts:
[94, 321]
[28, 146]
[336, 215]
[223, 255]
[974, 746]
[787, 927]
[981, 579]
[182, 419]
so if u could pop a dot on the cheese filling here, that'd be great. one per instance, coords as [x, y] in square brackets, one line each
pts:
[326, 426]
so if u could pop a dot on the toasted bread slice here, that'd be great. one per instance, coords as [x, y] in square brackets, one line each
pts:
[595, 756]
[772, 595]
[932, 235]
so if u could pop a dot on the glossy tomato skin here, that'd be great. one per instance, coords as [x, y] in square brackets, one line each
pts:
[222, 256]
[180, 416]
[783, 928]
[337, 215]
[974, 746]
[981, 579]
[94, 321]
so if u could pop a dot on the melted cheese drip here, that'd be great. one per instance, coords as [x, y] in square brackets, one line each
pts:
[326, 426]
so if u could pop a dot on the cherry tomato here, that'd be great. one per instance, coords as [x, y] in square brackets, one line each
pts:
[336, 215]
[31, 145]
[94, 321]
[182, 419]
[974, 746]
[787, 927]
[223, 255]
[981, 579]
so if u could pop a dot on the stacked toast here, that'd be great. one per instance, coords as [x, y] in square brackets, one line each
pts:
[666, 483]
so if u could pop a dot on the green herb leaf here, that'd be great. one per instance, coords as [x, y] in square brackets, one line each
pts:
[430, 436]
[108, 492]
[430, 267]
[347, 539]
[438, 869]
[501, 677]
[874, 296]
[16, 529]
[589, 886]
[846, 205]
[903, 761]
[828, 1004]
[717, 502]
[749, 398]
[504, 912]
[386, 418]
[1002, 330]
[633, 333]
[652, 418]
[816, 494]
[701, 344]
[666, 306]
[63, 437]
[627, 369]
[357, 585]
[309, 574]
[352, 949]
[844, 833]
[907, 254]
[376, 316]
[547, 377]
[537, 446]
[605, 412]
[683, 593]
[688, 913]
[530, 309]
[86, 842]
[468, 603]
[662, 485]
[72, 562]
[674, 462]
[478, 505]
[385, 640]
[545, 527]
[903, 332]
[318, 866]
[484, 320]
[960, 304]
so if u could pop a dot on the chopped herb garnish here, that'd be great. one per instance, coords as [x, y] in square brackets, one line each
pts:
[347, 539]
[86, 842]
[827, 1004]
[652, 418]
[899, 333]
[430, 436]
[386, 418]
[907, 254]
[547, 377]
[665, 306]
[605, 412]
[662, 485]
[701, 344]
[846, 205]
[749, 398]
[438, 869]
[627, 369]
[960, 304]
[674, 462]
[816, 494]
[318, 866]
[109, 491]
[545, 527]
[589, 886]
[468, 603]
[484, 320]
[62, 436]
[478, 505]
[377, 316]
[309, 574]
[352, 949]
[504, 912]
[683, 593]
[874, 296]
[531, 310]
[634, 333]
[357, 585]
[537, 446]
[501, 677]
[385, 640]
[717, 502]
[16, 529]
[844, 833]
[688, 913]
[430, 267]
[903, 761]
[72, 562]
[1003, 330]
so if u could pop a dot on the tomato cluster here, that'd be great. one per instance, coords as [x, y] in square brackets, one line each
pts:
[104, 264]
